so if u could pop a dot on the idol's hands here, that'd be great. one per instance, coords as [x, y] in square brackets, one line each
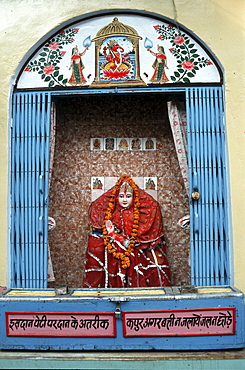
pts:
[109, 226]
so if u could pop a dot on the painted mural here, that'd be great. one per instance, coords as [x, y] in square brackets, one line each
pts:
[119, 50]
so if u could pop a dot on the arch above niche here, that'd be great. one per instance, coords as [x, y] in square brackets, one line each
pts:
[141, 48]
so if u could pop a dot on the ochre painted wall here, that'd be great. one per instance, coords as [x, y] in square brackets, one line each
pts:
[219, 23]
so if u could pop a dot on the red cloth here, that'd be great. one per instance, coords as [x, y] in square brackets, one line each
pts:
[150, 221]
[148, 262]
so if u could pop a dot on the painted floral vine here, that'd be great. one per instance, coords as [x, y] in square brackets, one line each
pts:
[47, 63]
[185, 52]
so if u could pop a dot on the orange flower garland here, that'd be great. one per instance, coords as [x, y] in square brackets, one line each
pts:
[124, 257]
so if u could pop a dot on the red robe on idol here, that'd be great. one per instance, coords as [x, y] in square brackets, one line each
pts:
[148, 261]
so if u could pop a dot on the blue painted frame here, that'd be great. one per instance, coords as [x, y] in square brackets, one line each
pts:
[210, 232]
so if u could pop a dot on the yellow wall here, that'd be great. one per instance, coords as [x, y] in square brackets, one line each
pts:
[219, 23]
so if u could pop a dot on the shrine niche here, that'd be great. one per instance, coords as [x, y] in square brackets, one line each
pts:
[86, 167]
[76, 159]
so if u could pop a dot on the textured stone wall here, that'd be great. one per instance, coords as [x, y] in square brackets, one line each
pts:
[78, 120]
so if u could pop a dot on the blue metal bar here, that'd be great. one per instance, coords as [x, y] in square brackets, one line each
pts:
[30, 205]
[198, 259]
[227, 247]
[17, 204]
[25, 190]
[214, 182]
[22, 190]
[210, 187]
[41, 188]
[46, 183]
[190, 120]
[37, 141]
[202, 254]
[205, 191]
[33, 194]
[43, 185]
[220, 191]
[30, 184]
[15, 251]
[13, 200]
[219, 195]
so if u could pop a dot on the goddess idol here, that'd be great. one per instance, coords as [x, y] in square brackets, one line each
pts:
[126, 246]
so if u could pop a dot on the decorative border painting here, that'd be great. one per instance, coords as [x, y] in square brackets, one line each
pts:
[119, 50]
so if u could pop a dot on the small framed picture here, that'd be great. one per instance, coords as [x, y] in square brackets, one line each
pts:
[97, 143]
[136, 143]
[97, 183]
[109, 143]
[123, 143]
[149, 143]
[150, 183]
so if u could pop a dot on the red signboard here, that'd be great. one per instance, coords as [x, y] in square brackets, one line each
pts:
[60, 324]
[188, 322]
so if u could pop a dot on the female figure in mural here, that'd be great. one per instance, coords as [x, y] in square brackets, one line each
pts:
[77, 66]
[126, 247]
[159, 65]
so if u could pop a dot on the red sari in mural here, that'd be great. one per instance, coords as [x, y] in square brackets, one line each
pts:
[159, 65]
[76, 65]
[138, 224]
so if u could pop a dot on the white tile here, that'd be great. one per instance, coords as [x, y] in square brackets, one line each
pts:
[110, 182]
[96, 194]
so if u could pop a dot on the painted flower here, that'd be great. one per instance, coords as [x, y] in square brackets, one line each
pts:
[116, 74]
[187, 65]
[63, 52]
[209, 63]
[76, 30]
[156, 27]
[179, 40]
[53, 45]
[71, 40]
[48, 69]
[161, 38]
[171, 50]
[170, 26]
[27, 69]
[62, 32]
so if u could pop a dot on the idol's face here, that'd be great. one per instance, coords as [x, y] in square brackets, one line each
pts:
[125, 199]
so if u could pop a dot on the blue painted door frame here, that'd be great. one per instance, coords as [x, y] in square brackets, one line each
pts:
[209, 230]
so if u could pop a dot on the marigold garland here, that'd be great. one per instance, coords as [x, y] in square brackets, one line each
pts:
[124, 257]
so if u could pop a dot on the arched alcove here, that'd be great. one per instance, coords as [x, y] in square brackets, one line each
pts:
[86, 110]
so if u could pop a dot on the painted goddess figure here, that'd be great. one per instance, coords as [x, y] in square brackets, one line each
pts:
[77, 66]
[126, 246]
[159, 65]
